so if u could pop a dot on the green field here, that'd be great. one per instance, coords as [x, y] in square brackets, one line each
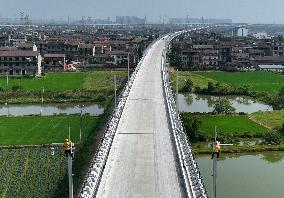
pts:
[32, 130]
[95, 86]
[198, 80]
[229, 124]
[273, 119]
[96, 80]
[257, 81]
[32, 172]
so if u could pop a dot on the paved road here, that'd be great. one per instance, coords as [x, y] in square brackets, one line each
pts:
[141, 162]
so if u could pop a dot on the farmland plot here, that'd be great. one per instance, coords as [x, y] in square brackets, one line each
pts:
[32, 172]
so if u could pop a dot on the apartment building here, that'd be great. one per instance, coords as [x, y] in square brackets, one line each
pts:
[54, 62]
[19, 62]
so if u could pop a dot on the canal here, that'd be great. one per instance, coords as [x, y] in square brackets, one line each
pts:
[204, 103]
[50, 109]
[245, 176]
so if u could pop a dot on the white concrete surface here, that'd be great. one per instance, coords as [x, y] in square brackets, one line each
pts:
[141, 162]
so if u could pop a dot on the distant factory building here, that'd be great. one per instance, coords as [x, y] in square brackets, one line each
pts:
[128, 20]
[188, 20]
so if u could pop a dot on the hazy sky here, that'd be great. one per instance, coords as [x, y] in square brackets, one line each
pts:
[253, 11]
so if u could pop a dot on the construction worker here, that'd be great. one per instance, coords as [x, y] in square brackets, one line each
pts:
[217, 150]
[67, 148]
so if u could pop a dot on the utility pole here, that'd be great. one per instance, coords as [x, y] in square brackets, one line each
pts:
[115, 91]
[42, 101]
[177, 90]
[7, 82]
[215, 164]
[81, 122]
[22, 18]
[70, 174]
[8, 110]
[128, 65]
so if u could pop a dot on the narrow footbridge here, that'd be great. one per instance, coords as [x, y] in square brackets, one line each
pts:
[145, 152]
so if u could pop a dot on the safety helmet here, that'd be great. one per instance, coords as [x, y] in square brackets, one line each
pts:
[66, 140]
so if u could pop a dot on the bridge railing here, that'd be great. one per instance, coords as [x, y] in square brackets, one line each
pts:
[189, 168]
[95, 172]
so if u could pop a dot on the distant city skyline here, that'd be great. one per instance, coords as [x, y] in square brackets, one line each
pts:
[239, 11]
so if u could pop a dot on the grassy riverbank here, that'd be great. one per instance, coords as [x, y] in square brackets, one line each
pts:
[96, 86]
[35, 130]
[258, 81]
[271, 120]
[229, 127]
[249, 133]
[199, 148]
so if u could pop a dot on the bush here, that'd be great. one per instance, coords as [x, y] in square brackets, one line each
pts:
[17, 88]
[198, 90]
[192, 126]
[210, 87]
[100, 97]
[188, 85]
[281, 130]
[228, 138]
[242, 90]
[272, 137]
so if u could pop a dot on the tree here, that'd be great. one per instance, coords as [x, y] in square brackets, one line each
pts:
[140, 50]
[210, 87]
[175, 57]
[223, 106]
[192, 127]
[279, 100]
[281, 130]
[188, 85]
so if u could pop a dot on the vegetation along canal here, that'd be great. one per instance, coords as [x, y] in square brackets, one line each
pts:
[247, 110]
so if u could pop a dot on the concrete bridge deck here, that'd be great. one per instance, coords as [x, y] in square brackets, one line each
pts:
[142, 159]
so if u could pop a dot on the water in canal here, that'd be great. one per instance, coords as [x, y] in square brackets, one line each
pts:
[245, 176]
[204, 103]
[50, 109]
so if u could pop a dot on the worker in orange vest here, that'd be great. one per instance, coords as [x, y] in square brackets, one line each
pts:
[217, 150]
[67, 148]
